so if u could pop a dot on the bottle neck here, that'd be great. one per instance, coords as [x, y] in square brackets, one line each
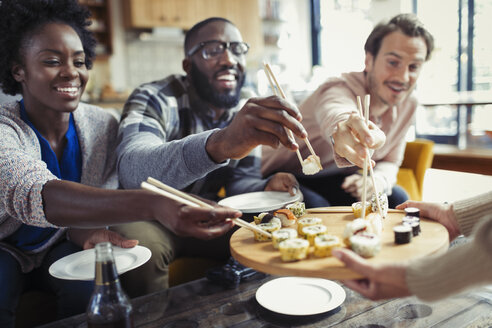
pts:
[106, 273]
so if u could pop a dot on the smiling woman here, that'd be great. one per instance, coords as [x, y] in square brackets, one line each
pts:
[57, 159]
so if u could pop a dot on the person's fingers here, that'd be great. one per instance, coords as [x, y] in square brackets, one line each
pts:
[120, 241]
[282, 116]
[361, 130]
[275, 102]
[361, 286]
[353, 261]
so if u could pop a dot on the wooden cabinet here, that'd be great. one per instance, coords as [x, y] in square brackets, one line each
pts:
[185, 13]
[101, 25]
[155, 13]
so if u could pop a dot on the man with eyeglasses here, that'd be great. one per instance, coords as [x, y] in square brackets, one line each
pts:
[198, 133]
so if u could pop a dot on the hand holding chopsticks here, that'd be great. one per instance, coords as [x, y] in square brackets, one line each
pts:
[167, 191]
[277, 90]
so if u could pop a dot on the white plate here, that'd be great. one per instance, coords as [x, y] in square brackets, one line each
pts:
[260, 201]
[300, 296]
[81, 265]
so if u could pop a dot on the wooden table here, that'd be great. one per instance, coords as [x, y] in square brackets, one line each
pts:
[203, 304]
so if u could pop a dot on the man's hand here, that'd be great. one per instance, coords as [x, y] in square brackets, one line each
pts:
[261, 121]
[354, 184]
[283, 182]
[88, 238]
[353, 135]
[442, 213]
[379, 282]
[197, 222]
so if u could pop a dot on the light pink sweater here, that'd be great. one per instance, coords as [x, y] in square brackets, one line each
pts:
[332, 103]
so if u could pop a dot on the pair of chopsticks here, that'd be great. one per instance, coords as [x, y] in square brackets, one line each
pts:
[162, 189]
[365, 116]
[276, 87]
[341, 209]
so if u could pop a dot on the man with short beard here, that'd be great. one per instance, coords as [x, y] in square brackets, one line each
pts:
[395, 54]
[197, 133]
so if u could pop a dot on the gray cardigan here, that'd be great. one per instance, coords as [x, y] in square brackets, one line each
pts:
[23, 173]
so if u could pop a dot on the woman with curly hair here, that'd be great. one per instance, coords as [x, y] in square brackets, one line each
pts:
[57, 162]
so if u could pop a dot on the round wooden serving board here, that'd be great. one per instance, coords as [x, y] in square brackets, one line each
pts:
[261, 256]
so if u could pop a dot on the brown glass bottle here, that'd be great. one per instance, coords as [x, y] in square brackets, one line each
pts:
[109, 306]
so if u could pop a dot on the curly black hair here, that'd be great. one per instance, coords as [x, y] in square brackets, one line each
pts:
[20, 19]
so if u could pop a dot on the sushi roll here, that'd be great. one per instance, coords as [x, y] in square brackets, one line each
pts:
[311, 165]
[414, 223]
[403, 234]
[268, 227]
[375, 223]
[264, 217]
[310, 232]
[365, 244]
[357, 209]
[383, 201]
[412, 212]
[354, 227]
[304, 222]
[280, 235]
[293, 249]
[298, 208]
[323, 244]
[286, 217]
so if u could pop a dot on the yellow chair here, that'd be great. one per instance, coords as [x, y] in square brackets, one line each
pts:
[417, 159]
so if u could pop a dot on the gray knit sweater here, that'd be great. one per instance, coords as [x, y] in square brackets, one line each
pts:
[23, 174]
[464, 265]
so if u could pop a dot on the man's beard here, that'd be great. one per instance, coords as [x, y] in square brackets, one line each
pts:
[226, 100]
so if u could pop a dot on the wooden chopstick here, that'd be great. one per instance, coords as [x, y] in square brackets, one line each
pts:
[271, 76]
[177, 192]
[272, 85]
[342, 209]
[179, 196]
[367, 101]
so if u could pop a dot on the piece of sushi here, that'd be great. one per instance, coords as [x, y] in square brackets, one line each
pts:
[383, 201]
[293, 249]
[414, 223]
[357, 209]
[310, 232]
[403, 234]
[286, 217]
[354, 227]
[279, 236]
[324, 244]
[263, 217]
[311, 165]
[365, 244]
[304, 222]
[298, 208]
[268, 227]
[375, 223]
[412, 211]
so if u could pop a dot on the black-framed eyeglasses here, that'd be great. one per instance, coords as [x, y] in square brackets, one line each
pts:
[214, 48]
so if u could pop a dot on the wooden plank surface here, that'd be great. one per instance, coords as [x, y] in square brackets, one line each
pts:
[261, 256]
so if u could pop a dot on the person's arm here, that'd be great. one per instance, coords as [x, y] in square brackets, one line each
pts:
[74, 205]
[145, 151]
[471, 210]
[461, 267]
